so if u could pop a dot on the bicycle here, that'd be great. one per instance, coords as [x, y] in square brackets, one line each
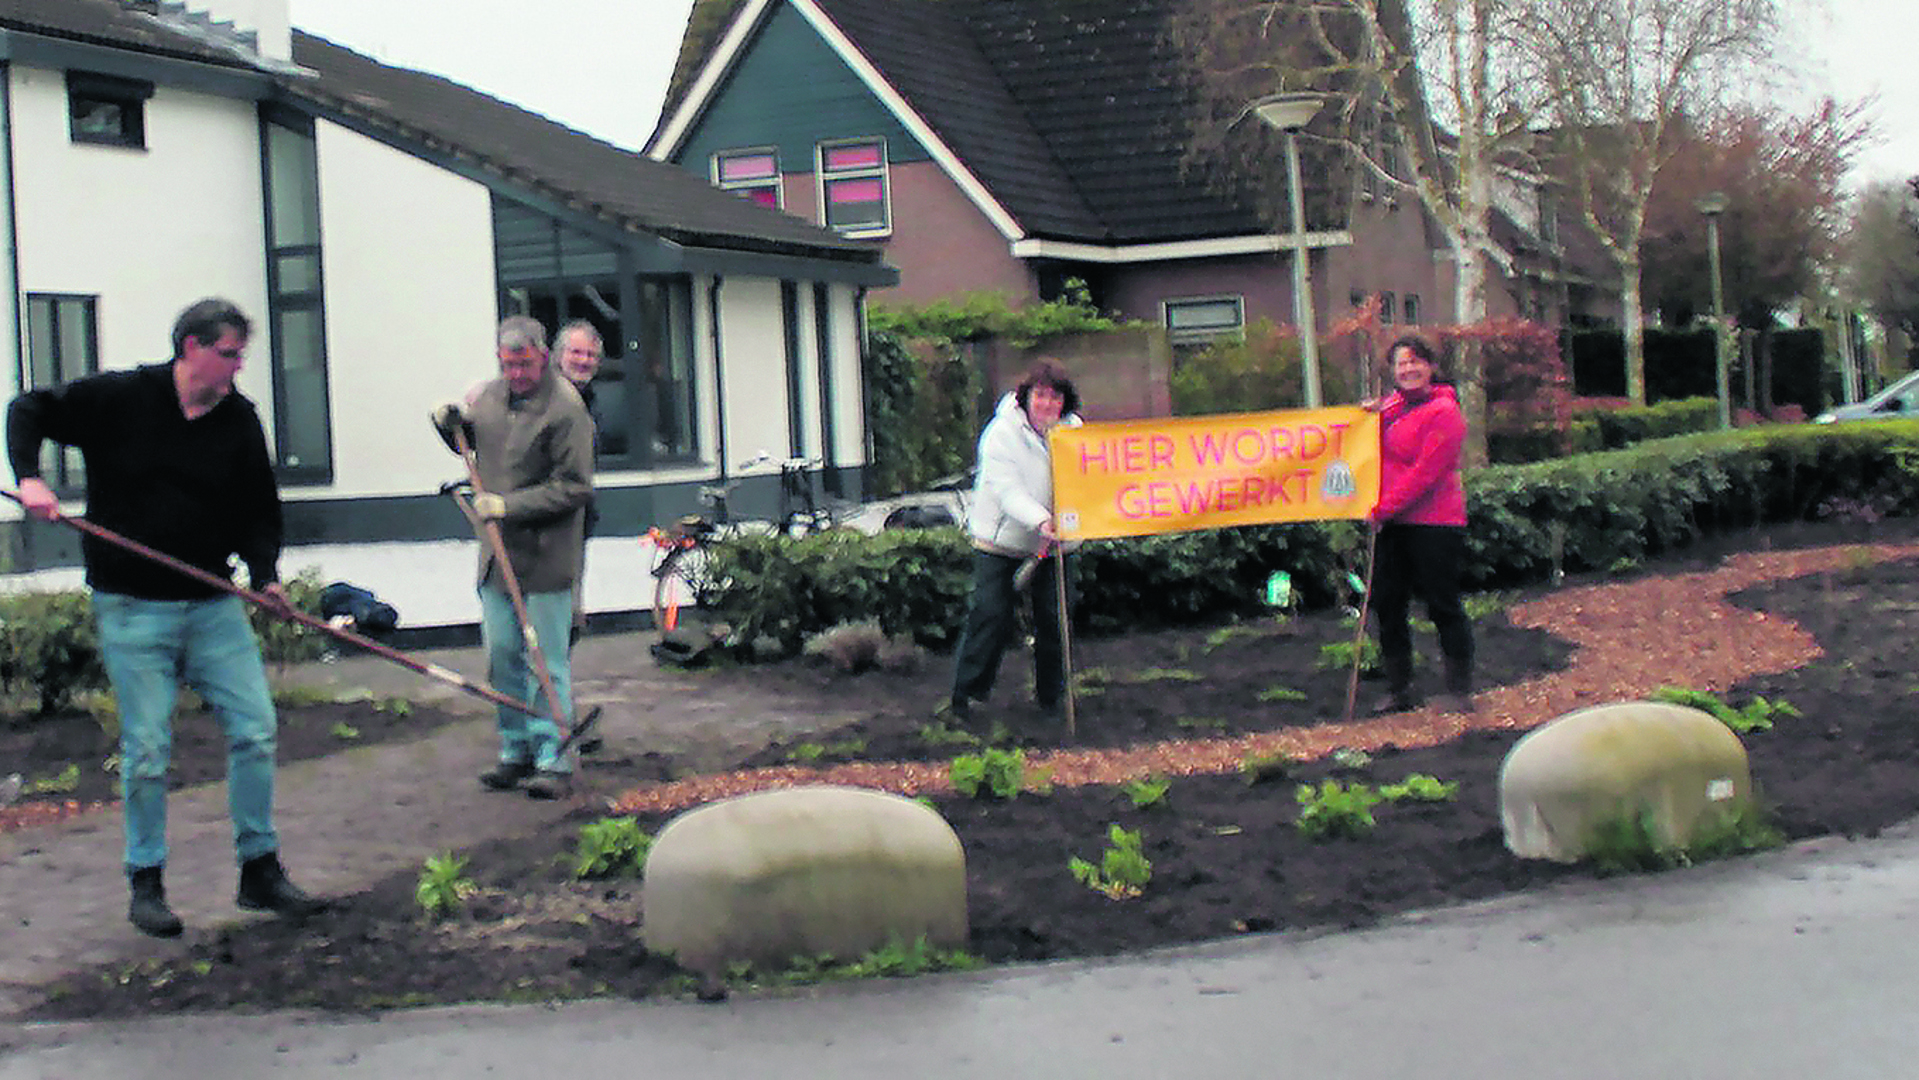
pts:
[680, 572]
[801, 511]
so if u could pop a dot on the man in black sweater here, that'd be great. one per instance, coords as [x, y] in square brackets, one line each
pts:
[175, 459]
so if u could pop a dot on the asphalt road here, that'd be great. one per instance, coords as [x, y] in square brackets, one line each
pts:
[1801, 963]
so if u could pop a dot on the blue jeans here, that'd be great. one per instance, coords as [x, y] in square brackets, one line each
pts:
[523, 738]
[150, 647]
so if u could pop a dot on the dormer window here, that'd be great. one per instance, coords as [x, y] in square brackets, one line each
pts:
[754, 174]
[107, 110]
[853, 187]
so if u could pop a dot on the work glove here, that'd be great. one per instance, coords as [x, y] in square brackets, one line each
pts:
[449, 418]
[488, 506]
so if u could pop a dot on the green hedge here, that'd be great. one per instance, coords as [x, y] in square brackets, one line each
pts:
[1593, 428]
[50, 650]
[1584, 513]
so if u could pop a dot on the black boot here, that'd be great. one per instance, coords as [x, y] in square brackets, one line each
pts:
[1459, 684]
[1399, 686]
[264, 887]
[148, 909]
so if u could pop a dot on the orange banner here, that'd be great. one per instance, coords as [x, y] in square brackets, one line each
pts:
[1140, 477]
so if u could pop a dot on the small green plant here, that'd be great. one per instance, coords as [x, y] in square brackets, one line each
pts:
[1281, 693]
[1335, 810]
[1199, 723]
[1351, 757]
[64, 782]
[1418, 787]
[1226, 635]
[999, 774]
[1756, 716]
[302, 696]
[1260, 768]
[1484, 605]
[894, 960]
[1147, 791]
[898, 960]
[610, 846]
[344, 731]
[1154, 674]
[443, 887]
[808, 752]
[939, 734]
[1123, 869]
[1338, 656]
[1630, 843]
[1625, 564]
[395, 706]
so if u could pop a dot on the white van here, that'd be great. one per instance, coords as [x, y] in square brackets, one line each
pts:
[1899, 399]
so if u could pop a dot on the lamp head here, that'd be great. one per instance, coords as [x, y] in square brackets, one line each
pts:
[1288, 111]
[1712, 203]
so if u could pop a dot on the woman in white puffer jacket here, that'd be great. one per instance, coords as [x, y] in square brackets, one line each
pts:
[1011, 519]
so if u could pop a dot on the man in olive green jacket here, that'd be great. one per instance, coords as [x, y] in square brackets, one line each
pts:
[533, 446]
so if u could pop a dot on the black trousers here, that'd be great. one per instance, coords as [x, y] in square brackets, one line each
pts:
[1423, 561]
[990, 625]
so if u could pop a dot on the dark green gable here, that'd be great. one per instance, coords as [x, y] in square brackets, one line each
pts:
[791, 91]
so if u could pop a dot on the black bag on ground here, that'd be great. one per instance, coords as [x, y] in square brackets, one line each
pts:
[369, 613]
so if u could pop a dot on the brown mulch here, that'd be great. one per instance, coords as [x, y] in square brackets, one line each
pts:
[1702, 642]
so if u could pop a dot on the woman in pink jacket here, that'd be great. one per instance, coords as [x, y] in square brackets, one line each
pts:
[1421, 521]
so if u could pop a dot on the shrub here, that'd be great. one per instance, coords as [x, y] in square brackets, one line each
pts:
[1525, 522]
[284, 641]
[49, 649]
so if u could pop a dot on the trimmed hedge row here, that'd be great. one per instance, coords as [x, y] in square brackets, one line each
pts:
[1602, 428]
[50, 649]
[1590, 512]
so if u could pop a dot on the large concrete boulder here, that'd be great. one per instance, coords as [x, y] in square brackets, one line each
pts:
[1681, 767]
[801, 872]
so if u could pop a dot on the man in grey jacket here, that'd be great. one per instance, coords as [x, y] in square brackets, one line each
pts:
[533, 446]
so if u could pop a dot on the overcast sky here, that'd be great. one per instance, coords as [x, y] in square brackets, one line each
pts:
[602, 65]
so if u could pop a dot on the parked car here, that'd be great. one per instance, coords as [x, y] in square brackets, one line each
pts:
[942, 503]
[1899, 399]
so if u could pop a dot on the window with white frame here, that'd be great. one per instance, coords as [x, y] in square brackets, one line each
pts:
[853, 187]
[754, 173]
[1412, 309]
[1192, 323]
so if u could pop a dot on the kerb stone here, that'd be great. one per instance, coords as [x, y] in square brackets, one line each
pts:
[1681, 767]
[802, 872]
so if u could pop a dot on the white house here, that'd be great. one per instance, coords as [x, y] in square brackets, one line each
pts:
[377, 222]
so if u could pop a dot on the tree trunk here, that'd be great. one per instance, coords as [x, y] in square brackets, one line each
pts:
[1634, 329]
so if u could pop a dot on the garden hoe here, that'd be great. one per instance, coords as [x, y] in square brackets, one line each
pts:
[431, 671]
[489, 531]
[1359, 635]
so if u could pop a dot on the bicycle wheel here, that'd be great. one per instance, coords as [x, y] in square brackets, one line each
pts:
[679, 580]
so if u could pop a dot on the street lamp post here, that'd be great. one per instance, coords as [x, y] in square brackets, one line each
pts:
[1289, 113]
[1712, 204]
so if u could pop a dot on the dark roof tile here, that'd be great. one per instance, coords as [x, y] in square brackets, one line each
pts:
[611, 182]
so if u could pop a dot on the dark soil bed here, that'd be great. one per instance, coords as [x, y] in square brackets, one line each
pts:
[1227, 857]
[69, 757]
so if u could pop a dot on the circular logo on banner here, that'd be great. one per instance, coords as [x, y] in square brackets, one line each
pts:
[1337, 482]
